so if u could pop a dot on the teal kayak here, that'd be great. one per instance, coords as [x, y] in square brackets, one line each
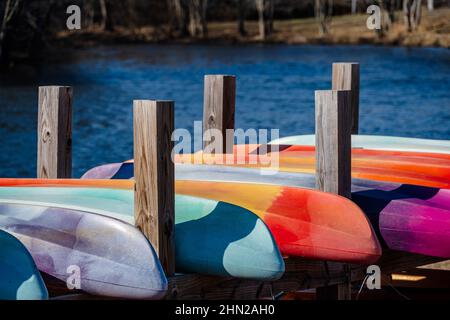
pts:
[377, 143]
[19, 277]
[211, 237]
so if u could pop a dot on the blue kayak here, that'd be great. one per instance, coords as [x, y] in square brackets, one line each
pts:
[19, 277]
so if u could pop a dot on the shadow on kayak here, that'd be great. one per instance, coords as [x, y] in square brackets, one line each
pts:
[374, 201]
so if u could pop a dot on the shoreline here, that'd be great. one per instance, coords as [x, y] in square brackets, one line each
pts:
[345, 30]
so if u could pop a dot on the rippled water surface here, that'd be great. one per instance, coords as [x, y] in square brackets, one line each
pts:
[404, 92]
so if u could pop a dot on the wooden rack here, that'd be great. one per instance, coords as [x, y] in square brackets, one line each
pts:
[337, 113]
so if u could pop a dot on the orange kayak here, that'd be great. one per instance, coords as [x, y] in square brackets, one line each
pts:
[426, 169]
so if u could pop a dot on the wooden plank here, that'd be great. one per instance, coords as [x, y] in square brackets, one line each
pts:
[346, 77]
[219, 108]
[154, 197]
[300, 274]
[333, 142]
[54, 154]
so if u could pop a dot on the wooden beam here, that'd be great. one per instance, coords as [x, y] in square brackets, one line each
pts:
[154, 197]
[333, 142]
[219, 108]
[54, 154]
[346, 77]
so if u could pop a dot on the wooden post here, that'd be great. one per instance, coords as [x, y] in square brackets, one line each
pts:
[54, 154]
[219, 107]
[346, 77]
[333, 159]
[154, 196]
[333, 142]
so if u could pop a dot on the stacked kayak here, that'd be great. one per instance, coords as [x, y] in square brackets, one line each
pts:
[19, 277]
[69, 226]
[426, 169]
[377, 143]
[104, 256]
[406, 217]
[305, 223]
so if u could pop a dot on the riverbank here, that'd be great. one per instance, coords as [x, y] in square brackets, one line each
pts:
[434, 31]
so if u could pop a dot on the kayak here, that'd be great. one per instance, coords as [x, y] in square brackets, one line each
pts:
[432, 170]
[305, 223]
[88, 251]
[377, 143]
[211, 237]
[406, 217]
[19, 277]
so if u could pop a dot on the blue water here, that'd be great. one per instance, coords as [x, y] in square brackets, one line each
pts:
[404, 92]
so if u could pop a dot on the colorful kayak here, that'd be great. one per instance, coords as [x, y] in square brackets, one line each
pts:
[19, 277]
[73, 245]
[432, 170]
[212, 237]
[406, 217]
[377, 143]
[304, 223]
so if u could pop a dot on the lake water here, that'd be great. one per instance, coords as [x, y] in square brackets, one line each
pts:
[404, 92]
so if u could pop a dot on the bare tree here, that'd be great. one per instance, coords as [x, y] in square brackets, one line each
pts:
[178, 16]
[430, 5]
[323, 10]
[10, 8]
[197, 18]
[104, 13]
[353, 6]
[265, 10]
[412, 10]
[260, 4]
[386, 20]
[242, 10]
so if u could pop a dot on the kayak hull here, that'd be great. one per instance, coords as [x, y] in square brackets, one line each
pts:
[406, 217]
[88, 251]
[211, 237]
[377, 143]
[302, 221]
[19, 277]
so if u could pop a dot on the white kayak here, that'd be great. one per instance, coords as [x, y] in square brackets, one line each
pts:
[377, 143]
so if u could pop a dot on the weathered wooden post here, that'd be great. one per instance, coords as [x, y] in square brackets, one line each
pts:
[219, 108]
[333, 141]
[333, 160]
[54, 154]
[154, 196]
[346, 77]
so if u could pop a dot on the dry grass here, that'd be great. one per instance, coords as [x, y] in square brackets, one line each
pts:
[350, 29]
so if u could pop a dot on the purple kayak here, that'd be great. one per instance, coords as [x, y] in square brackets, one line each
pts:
[99, 255]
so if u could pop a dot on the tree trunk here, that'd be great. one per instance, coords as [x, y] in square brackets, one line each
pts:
[242, 9]
[430, 5]
[353, 6]
[204, 9]
[104, 14]
[9, 10]
[260, 4]
[386, 21]
[323, 10]
[178, 17]
[270, 13]
[197, 18]
[412, 10]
